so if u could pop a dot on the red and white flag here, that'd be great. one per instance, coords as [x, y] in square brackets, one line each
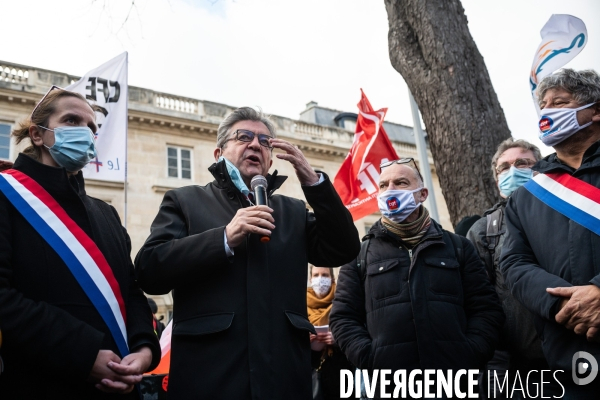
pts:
[357, 181]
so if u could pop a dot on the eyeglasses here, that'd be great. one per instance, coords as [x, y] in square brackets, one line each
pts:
[520, 163]
[42, 99]
[401, 161]
[246, 136]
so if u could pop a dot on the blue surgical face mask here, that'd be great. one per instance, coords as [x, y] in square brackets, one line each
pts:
[513, 179]
[235, 176]
[74, 146]
[396, 205]
[558, 124]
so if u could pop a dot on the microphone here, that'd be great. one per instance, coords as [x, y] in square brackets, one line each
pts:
[258, 184]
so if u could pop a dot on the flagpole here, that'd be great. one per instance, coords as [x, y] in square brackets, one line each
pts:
[126, 135]
[422, 157]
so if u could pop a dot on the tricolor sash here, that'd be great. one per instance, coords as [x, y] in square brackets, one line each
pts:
[572, 197]
[78, 251]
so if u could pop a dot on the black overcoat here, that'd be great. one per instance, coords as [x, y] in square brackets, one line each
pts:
[240, 324]
[52, 332]
[545, 249]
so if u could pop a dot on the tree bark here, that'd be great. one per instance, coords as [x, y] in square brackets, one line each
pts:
[431, 47]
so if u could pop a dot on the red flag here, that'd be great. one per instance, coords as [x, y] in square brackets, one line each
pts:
[357, 181]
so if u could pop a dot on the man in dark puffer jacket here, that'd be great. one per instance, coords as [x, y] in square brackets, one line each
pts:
[422, 300]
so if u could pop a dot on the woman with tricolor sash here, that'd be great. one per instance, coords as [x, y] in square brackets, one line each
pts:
[75, 325]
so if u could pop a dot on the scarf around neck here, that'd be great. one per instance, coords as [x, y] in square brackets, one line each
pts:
[411, 233]
[319, 309]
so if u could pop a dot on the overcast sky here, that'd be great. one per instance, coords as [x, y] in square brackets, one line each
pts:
[279, 54]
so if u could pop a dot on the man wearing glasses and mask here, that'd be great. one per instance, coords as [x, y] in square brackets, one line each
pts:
[240, 317]
[417, 296]
[551, 254]
[520, 347]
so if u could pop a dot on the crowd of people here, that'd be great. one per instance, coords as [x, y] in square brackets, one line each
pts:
[519, 293]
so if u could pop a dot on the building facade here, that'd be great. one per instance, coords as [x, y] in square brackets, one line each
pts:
[171, 140]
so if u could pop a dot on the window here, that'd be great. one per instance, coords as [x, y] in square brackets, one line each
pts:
[179, 162]
[350, 125]
[4, 141]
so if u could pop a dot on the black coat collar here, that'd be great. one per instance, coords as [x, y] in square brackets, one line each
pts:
[52, 179]
[551, 163]
[223, 180]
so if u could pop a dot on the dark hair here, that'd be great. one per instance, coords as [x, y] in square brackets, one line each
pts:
[465, 224]
[41, 115]
[153, 306]
[4, 165]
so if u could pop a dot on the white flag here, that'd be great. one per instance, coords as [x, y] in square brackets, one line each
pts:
[106, 87]
[563, 37]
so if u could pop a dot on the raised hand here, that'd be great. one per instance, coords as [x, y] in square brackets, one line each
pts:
[306, 175]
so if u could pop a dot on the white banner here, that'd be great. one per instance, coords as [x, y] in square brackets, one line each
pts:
[563, 37]
[106, 87]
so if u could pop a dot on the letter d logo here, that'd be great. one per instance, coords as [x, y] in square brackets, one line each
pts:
[579, 367]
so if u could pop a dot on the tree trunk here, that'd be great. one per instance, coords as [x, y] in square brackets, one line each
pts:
[431, 47]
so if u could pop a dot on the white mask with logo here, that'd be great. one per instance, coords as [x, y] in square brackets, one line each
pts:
[396, 205]
[321, 285]
[558, 124]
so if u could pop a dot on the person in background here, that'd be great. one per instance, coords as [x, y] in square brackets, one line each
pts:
[465, 224]
[520, 348]
[75, 324]
[551, 254]
[159, 327]
[328, 359]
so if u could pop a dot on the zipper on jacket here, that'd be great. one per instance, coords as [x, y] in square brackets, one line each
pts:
[412, 309]
[410, 256]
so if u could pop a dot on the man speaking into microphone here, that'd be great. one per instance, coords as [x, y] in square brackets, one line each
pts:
[238, 270]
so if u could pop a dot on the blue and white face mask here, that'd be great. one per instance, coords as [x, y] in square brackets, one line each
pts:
[74, 146]
[513, 179]
[235, 176]
[558, 124]
[396, 205]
